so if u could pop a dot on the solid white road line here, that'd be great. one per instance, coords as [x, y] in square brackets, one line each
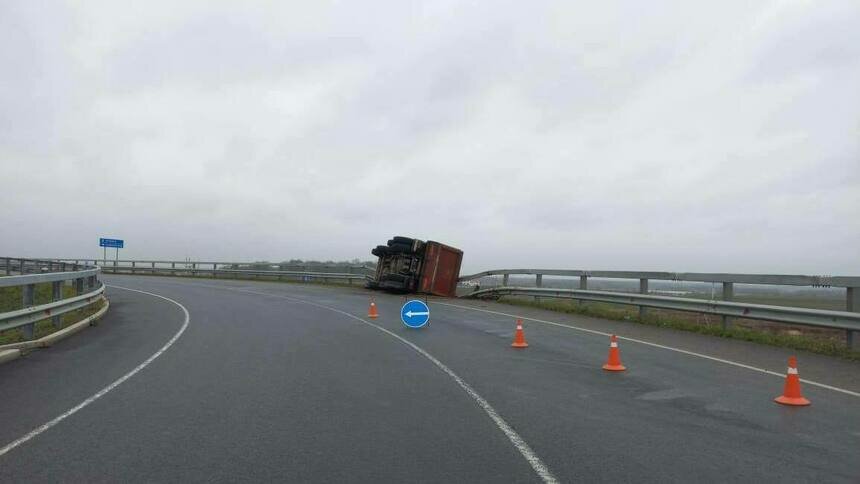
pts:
[657, 345]
[105, 390]
[530, 456]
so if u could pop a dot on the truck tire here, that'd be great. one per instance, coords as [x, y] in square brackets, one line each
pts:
[402, 240]
[399, 248]
[380, 251]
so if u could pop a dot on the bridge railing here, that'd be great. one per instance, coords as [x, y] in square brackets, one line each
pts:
[848, 320]
[303, 272]
[26, 273]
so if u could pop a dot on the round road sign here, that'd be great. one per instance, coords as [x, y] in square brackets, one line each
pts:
[415, 314]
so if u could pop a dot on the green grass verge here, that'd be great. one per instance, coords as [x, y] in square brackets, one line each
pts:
[11, 299]
[826, 343]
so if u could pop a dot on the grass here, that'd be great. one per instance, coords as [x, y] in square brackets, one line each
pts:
[11, 299]
[826, 342]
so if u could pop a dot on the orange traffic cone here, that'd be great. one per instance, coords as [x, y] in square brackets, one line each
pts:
[519, 337]
[613, 363]
[791, 393]
[372, 314]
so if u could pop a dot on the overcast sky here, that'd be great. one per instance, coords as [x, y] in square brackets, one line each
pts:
[680, 136]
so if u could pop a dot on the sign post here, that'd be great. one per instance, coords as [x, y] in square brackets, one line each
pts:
[115, 243]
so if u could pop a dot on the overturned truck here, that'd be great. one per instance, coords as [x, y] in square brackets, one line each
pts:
[408, 265]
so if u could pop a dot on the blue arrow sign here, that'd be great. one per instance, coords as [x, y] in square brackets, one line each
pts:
[415, 314]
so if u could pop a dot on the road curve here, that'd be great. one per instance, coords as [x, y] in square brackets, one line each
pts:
[286, 382]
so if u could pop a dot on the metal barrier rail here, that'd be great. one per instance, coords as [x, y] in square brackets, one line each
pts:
[305, 275]
[769, 279]
[225, 269]
[35, 271]
[125, 264]
[844, 320]
[727, 280]
[16, 265]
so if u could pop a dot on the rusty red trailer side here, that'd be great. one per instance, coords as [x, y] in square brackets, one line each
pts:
[440, 269]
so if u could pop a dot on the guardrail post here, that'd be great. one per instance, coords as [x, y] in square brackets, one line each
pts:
[79, 286]
[56, 295]
[8, 266]
[728, 295]
[583, 284]
[133, 265]
[505, 280]
[852, 304]
[214, 270]
[153, 268]
[538, 283]
[643, 289]
[22, 266]
[28, 296]
[193, 267]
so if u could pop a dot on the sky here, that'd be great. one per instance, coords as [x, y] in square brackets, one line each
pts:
[672, 136]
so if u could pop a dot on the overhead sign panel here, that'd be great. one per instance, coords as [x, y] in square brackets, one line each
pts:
[112, 243]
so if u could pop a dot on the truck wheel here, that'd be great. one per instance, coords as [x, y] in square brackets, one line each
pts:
[402, 240]
[380, 251]
[399, 248]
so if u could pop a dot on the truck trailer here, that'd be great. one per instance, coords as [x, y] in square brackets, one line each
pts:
[408, 265]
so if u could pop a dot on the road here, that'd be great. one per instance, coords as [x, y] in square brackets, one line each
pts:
[292, 383]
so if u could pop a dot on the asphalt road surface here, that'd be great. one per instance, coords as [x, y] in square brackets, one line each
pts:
[292, 383]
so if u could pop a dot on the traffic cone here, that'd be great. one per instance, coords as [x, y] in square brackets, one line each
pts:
[519, 337]
[372, 314]
[613, 363]
[791, 393]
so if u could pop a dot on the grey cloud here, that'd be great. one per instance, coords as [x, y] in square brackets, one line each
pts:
[675, 137]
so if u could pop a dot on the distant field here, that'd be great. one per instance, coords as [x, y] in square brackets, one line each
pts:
[825, 301]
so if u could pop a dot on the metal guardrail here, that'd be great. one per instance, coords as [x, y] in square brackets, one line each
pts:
[317, 272]
[724, 307]
[770, 279]
[135, 263]
[26, 273]
[802, 316]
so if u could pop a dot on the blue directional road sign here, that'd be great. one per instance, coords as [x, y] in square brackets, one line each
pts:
[112, 243]
[415, 314]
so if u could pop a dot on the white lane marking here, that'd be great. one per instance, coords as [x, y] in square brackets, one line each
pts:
[103, 391]
[531, 457]
[656, 345]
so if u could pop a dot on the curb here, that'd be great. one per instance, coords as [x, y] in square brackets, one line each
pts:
[9, 355]
[12, 351]
[64, 333]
